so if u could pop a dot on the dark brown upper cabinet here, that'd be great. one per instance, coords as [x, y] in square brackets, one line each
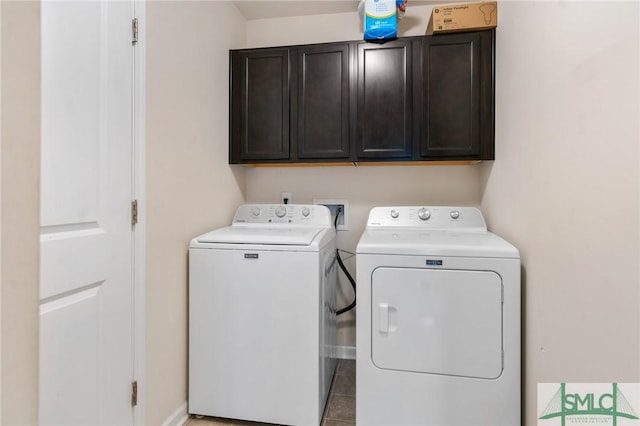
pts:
[259, 105]
[322, 130]
[457, 120]
[428, 98]
[384, 100]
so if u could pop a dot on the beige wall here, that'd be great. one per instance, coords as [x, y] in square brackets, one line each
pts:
[326, 28]
[565, 185]
[364, 186]
[190, 187]
[20, 210]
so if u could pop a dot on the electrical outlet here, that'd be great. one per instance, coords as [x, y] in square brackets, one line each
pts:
[337, 206]
[286, 198]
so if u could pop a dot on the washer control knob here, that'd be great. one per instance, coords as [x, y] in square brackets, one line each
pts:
[281, 211]
[455, 214]
[256, 211]
[424, 214]
[395, 213]
[305, 211]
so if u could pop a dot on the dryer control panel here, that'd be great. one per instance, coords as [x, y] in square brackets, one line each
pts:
[432, 217]
[289, 214]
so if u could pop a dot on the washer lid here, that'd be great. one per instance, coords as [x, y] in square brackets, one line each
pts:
[277, 235]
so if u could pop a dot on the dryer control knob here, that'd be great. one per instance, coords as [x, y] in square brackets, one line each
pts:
[424, 214]
[281, 211]
[256, 211]
[455, 214]
[306, 211]
[395, 213]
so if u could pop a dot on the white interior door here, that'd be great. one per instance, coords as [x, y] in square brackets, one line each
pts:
[86, 348]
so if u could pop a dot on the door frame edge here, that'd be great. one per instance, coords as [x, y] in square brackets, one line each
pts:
[139, 194]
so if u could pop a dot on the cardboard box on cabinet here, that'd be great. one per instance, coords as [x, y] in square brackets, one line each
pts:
[463, 17]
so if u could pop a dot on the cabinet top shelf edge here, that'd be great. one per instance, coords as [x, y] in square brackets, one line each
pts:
[293, 46]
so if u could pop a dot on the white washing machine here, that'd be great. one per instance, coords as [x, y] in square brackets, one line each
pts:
[262, 316]
[438, 320]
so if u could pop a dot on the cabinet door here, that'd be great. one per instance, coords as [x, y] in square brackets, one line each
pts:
[323, 101]
[260, 105]
[457, 91]
[384, 100]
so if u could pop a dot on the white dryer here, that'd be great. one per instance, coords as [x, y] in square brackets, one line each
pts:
[438, 320]
[262, 315]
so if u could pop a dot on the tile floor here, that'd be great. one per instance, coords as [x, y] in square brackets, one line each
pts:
[340, 410]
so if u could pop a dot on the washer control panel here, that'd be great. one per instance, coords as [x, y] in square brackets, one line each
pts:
[300, 214]
[434, 217]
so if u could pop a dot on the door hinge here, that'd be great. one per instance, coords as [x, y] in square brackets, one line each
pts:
[134, 212]
[134, 30]
[134, 393]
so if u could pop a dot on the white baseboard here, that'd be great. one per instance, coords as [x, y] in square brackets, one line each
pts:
[178, 417]
[346, 352]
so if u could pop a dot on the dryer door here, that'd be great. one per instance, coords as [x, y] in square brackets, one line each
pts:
[437, 321]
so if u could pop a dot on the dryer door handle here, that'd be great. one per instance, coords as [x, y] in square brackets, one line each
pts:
[383, 317]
